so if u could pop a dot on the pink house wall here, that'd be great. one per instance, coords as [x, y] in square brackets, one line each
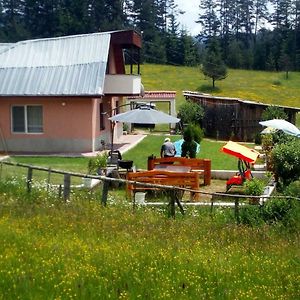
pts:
[69, 124]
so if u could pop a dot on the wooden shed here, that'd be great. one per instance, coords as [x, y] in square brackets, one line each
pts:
[232, 118]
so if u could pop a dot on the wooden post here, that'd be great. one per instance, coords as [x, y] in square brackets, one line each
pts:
[29, 179]
[104, 192]
[171, 204]
[207, 171]
[1, 170]
[236, 210]
[177, 199]
[174, 198]
[67, 184]
[150, 164]
[59, 191]
[48, 179]
[211, 205]
[133, 193]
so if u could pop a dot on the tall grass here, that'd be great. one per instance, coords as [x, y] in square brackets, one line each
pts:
[80, 250]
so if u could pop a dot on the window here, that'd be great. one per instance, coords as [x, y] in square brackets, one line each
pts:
[101, 112]
[27, 119]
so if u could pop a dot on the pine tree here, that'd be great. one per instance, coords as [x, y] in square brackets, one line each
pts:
[260, 14]
[208, 19]
[213, 65]
[13, 20]
[42, 18]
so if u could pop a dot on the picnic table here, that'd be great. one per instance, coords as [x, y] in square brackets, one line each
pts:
[173, 168]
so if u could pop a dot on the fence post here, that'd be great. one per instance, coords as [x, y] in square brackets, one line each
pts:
[172, 203]
[236, 210]
[207, 171]
[29, 179]
[67, 184]
[104, 192]
[59, 191]
[211, 205]
[1, 170]
[174, 197]
[48, 179]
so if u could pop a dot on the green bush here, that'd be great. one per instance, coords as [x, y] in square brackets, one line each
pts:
[191, 134]
[254, 187]
[190, 112]
[274, 112]
[251, 216]
[286, 161]
[97, 162]
[197, 132]
[293, 189]
[276, 209]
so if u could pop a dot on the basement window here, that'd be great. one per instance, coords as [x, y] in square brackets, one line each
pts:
[27, 119]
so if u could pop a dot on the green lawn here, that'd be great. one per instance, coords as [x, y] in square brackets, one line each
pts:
[208, 149]
[71, 164]
[139, 154]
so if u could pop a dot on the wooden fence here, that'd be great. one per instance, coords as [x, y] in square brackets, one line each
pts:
[173, 192]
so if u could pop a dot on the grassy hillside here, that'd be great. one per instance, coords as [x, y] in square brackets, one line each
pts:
[53, 249]
[267, 87]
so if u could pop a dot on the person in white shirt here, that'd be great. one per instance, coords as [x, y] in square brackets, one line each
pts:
[167, 149]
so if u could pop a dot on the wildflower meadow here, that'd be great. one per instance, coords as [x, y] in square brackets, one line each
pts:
[78, 249]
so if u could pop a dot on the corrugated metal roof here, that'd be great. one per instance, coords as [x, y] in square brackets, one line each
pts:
[71, 65]
[4, 46]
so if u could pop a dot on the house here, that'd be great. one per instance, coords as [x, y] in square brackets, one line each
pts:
[56, 94]
[232, 118]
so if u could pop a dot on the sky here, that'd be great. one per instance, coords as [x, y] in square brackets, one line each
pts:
[187, 20]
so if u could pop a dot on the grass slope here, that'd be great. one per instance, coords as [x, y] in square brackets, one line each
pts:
[262, 86]
[80, 250]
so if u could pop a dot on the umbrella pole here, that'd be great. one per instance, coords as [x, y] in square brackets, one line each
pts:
[112, 129]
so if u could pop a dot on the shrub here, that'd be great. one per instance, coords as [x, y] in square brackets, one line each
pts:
[190, 112]
[197, 132]
[254, 187]
[258, 139]
[251, 215]
[286, 161]
[274, 112]
[276, 210]
[97, 162]
[293, 189]
[192, 134]
[277, 82]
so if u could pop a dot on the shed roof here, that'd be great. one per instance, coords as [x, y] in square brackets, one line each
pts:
[70, 65]
[155, 95]
[190, 94]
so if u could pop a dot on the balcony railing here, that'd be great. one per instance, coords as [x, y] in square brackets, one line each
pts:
[122, 84]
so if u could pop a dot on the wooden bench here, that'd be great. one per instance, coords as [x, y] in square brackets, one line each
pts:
[201, 166]
[160, 177]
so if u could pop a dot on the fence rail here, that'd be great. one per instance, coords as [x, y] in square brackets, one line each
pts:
[172, 191]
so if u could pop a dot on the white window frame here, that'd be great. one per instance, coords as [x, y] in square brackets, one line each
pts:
[25, 119]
